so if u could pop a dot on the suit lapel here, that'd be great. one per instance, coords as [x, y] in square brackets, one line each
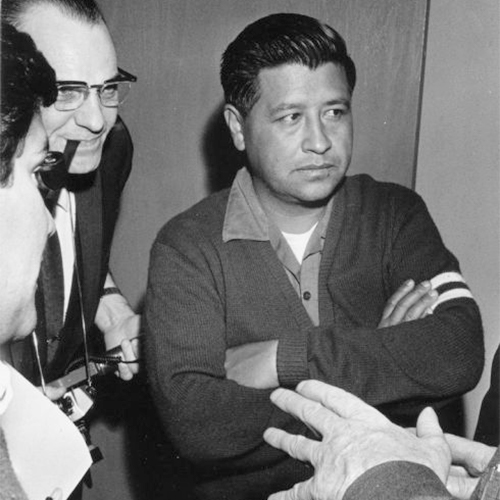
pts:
[89, 228]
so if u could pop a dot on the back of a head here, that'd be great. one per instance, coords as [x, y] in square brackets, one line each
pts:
[273, 41]
[27, 82]
[84, 10]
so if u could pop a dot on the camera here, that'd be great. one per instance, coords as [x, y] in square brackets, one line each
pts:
[80, 394]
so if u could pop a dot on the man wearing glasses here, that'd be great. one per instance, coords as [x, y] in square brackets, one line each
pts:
[84, 124]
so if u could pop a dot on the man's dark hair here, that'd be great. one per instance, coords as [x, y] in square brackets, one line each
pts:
[273, 41]
[84, 10]
[27, 82]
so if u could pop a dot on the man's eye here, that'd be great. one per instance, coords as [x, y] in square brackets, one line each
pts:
[336, 113]
[68, 93]
[110, 90]
[290, 118]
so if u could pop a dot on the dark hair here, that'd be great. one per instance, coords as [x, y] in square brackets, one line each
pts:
[27, 82]
[275, 40]
[84, 10]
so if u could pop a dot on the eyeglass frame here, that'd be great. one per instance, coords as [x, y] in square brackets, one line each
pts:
[122, 77]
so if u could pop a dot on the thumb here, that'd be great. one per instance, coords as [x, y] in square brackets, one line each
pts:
[428, 424]
[300, 491]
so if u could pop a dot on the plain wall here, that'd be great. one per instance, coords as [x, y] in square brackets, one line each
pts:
[458, 157]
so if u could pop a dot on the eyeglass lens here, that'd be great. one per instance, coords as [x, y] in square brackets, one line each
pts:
[111, 94]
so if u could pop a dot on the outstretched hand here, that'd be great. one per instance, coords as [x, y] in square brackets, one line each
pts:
[356, 437]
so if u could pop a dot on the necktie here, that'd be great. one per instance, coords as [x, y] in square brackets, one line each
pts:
[51, 278]
[51, 291]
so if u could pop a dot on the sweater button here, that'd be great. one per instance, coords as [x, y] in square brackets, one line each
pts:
[306, 295]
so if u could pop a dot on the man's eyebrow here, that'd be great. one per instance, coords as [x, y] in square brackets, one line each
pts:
[284, 107]
[343, 101]
[291, 105]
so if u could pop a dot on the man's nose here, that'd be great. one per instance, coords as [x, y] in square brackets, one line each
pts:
[316, 137]
[90, 114]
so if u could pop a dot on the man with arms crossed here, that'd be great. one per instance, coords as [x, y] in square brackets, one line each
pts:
[297, 272]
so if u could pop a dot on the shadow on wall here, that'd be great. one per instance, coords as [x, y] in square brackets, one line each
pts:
[220, 156]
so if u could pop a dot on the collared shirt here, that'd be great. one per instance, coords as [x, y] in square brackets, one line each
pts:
[64, 217]
[245, 219]
[5, 387]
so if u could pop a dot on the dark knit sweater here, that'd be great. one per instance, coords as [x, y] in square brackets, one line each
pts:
[205, 296]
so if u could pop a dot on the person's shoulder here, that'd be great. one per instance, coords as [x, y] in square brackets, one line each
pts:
[370, 192]
[120, 133]
[203, 220]
[397, 480]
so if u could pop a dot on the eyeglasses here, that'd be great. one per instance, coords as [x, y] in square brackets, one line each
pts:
[113, 92]
[52, 174]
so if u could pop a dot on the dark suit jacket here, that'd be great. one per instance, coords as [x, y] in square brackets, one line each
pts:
[97, 205]
[489, 418]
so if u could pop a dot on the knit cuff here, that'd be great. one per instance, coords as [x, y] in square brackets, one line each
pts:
[292, 360]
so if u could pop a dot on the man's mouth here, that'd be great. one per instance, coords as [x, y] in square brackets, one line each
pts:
[314, 167]
[89, 145]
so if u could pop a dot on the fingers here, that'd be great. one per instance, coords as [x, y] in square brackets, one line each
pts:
[428, 424]
[393, 301]
[461, 487]
[296, 446]
[409, 303]
[300, 491]
[312, 413]
[420, 302]
[472, 455]
[130, 350]
[342, 403]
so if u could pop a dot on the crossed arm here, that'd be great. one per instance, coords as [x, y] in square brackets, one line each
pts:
[255, 364]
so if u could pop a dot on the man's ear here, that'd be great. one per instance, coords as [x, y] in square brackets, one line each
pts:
[234, 121]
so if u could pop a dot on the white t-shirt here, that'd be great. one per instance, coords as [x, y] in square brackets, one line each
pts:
[298, 242]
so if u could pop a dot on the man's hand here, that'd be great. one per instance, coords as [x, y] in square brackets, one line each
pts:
[253, 365]
[124, 334]
[408, 303]
[356, 437]
[470, 460]
[119, 325]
